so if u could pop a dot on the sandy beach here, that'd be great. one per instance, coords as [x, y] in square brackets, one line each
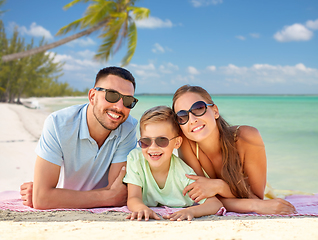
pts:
[20, 128]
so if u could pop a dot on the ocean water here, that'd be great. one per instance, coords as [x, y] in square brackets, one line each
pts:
[288, 125]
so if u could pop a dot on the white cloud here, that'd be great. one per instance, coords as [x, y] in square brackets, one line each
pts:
[154, 22]
[168, 68]
[193, 70]
[255, 35]
[86, 54]
[36, 31]
[83, 42]
[312, 24]
[262, 73]
[158, 48]
[147, 72]
[295, 32]
[78, 62]
[211, 68]
[200, 3]
[148, 67]
[240, 37]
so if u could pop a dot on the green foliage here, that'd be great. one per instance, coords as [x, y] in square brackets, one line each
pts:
[35, 75]
[116, 19]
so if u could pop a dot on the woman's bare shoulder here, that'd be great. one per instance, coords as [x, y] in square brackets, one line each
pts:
[249, 135]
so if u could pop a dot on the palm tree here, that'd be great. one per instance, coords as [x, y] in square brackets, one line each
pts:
[2, 2]
[116, 19]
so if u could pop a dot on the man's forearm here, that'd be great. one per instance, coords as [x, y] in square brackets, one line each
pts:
[64, 198]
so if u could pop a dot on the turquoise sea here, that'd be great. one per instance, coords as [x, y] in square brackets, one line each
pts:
[288, 125]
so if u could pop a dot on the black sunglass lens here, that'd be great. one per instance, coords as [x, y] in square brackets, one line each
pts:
[112, 96]
[144, 142]
[162, 141]
[182, 116]
[129, 102]
[198, 108]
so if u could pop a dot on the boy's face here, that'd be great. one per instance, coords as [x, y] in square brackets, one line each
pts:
[159, 157]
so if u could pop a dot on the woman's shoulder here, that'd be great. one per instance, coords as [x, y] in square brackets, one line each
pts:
[248, 134]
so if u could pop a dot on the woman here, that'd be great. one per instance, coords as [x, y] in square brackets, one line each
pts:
[229, 160]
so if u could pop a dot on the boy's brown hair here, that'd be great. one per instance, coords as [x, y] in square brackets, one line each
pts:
[159, 114]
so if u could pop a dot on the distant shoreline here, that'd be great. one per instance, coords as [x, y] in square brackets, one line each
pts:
[229, 94]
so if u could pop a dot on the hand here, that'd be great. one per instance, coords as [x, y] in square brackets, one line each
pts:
[202, 188]
[185, 214]
[147, 213]
[119, 190]
[275, 206]
[26, 193]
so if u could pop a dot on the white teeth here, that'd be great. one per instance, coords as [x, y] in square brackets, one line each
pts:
[197, 128]
[113, 115]
[155, 154]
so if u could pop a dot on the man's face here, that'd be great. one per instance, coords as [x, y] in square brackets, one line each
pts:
[111, 115]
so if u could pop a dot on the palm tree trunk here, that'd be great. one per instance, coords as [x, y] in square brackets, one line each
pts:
[43, 48]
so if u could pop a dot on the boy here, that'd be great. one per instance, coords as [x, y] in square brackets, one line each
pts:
[155, 176]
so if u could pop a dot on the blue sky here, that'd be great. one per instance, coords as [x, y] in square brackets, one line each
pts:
[225, 46]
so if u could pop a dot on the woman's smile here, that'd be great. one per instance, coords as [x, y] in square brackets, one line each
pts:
[196, 129]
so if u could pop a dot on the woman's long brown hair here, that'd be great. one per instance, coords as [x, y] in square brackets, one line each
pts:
[232, 167]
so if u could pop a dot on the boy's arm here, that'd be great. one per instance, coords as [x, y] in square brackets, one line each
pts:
[209, 207]
[136, 205]
[47, 196]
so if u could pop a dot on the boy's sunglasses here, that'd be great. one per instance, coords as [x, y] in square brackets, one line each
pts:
[160, 142]
[197, 109]
[113, 96]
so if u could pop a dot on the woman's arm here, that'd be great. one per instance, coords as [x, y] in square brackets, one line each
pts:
[252, 153]
[136, 205]
[271, 206]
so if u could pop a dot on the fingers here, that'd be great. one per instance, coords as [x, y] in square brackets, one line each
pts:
[188, 188]
[119, 180]
[122, 174]
[193, 177]
[146, 214]
[26, 194]
[179, 216]
[287, 208]
[155, 216]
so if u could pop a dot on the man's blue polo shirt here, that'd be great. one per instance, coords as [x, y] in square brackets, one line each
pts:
[66, 142]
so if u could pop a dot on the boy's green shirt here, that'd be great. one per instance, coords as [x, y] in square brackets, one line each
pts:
[139, 173]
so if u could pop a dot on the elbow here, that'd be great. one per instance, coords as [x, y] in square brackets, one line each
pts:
[41, 200]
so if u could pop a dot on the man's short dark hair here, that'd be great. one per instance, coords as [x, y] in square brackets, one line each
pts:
[117, 71]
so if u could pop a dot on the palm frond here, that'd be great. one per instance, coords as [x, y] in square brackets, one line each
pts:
[96, 13]
[139, 12]
[71, 4]
[72, 26]
[110, 37]
[132, 43]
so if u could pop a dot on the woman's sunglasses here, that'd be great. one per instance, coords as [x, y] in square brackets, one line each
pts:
[113, 96]
[197, 109]
[160, 142]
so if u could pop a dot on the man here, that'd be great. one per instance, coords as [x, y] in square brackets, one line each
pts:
[82, 150]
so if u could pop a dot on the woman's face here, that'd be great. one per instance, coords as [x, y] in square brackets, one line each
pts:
[197, 128]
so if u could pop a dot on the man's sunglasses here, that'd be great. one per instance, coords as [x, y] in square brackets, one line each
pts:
[160, 142]
[197, 109]
[113, 96]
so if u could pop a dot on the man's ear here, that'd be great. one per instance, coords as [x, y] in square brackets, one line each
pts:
[91, 96]
[178, 142]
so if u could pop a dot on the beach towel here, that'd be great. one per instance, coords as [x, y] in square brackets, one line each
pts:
[306, 205]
